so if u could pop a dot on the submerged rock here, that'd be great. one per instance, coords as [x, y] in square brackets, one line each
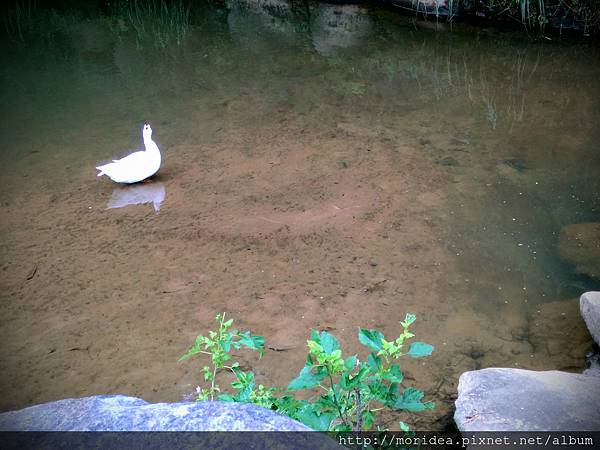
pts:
[579, 244]
[589, 304]
[122, 413]
[504, 399]
[335, 27]
[517, 164]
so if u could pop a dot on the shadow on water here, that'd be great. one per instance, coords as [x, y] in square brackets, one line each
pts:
[328, 166]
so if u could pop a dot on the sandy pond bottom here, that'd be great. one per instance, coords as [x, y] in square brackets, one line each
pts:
[282, 242]
[288, 215]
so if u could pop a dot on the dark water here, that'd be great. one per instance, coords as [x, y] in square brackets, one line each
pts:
[467, 150]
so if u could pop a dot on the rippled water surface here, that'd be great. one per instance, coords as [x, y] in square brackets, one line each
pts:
[328, 167]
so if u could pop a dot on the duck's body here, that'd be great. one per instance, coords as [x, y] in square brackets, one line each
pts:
[137, 166]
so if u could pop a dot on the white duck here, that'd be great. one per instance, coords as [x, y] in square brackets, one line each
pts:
[135, 167]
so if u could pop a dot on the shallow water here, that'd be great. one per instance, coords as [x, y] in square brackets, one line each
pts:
[327, 168]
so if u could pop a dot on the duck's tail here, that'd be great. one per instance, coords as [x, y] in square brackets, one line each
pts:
[101, 169]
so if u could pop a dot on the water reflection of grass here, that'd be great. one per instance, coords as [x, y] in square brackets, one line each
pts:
[164, 23]
[159, 22]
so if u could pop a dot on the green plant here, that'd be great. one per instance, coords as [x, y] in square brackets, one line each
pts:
[355, 391]
[352, 392]
[218, 346]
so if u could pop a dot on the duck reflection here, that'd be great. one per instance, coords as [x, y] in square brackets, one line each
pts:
[138, 194]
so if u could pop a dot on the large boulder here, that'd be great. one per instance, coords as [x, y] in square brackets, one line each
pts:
[589, 304]
[579, 244]
[503, 399]
[122, 413]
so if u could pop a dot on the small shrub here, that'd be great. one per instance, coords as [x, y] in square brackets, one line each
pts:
[352, 392]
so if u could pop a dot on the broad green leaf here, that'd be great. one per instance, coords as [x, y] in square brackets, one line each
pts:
[228, 323]
[404, 427]
[226, 343]
[342, 428]
[419, 350]
[305, 380]
[244, 394]
[314, 336]
[329, 343]
[309, 417]
[368, 418]
[309, 360]
[394, 375]
[226, 397]
[251, 341]
[326, 403]
[350, 362]
[358, 378]
[371, 338]
[374, 362]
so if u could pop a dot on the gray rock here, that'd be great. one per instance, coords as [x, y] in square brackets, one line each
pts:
[122, 413]
[502, 399]
[589, 305]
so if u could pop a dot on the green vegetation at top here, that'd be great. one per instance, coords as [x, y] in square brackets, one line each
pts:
[347, 393]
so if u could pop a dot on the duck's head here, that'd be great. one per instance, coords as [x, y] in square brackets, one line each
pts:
[147, 131]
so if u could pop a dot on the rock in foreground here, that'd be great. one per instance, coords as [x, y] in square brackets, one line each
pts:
[501, 399]
[122, 413]
[589, 304]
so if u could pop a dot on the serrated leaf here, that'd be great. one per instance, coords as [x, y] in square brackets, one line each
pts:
[378, 390]
[419, 350]
[410, 401]
[306, 379]
[371, 338]
[408, 320]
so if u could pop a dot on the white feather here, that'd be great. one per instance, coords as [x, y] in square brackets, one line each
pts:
[137, 166]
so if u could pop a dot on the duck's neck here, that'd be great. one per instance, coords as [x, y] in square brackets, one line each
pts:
[151, 145]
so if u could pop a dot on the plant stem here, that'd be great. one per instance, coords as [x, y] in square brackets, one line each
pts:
[335, 398]
[358, 411]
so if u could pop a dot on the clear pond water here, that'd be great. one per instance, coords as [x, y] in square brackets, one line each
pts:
[328, 167]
